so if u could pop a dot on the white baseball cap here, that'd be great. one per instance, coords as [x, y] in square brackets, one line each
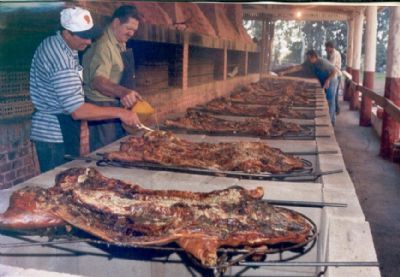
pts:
[79, 22]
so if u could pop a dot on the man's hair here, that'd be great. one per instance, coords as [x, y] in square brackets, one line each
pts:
[312, 53]
[330, 44]
[123, 13]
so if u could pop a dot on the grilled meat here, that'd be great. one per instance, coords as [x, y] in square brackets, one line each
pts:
[271, 127]
[166, 149]
[127, 214]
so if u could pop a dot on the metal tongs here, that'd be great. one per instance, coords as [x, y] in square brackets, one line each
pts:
[144, 127]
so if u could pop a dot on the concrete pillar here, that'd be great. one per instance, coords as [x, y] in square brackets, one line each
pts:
[185, 62]
[349, 58]
[391, 128]
[358, 28]
[350, 35]
[369, 64]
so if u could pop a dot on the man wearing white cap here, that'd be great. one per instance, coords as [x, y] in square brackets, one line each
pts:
[57, 93]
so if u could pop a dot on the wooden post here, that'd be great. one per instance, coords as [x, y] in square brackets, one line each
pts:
[225, 62]
[369, 64]
[185, 62]
[246, 63]
[349, 58]
[391, 128]
[358, 28]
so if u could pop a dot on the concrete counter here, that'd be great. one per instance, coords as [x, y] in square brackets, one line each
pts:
[344, 234]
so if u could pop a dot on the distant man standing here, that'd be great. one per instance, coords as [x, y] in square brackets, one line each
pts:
[109, 74]
[335, 58]
[325, 73]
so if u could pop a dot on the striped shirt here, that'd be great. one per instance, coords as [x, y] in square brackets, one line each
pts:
[55, 87]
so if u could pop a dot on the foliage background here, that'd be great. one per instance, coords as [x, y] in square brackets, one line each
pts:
[294, 38]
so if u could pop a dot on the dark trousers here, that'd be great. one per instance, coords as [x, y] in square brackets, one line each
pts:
[50, 155]
[104, 132]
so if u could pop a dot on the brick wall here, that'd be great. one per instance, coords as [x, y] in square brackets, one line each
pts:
[176, 101]
[18, 160]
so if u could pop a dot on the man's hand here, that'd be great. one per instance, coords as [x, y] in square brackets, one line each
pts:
[129, 118]
[280, 74]
[326, 84]
[130, 99]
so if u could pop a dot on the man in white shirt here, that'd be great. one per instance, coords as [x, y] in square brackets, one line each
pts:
[335, 58]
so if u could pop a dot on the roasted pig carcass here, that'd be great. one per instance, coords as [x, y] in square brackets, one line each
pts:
[289, 94]
[265, 127]
[224, 106]
[164, 148]
[128, 215]
[261, 99]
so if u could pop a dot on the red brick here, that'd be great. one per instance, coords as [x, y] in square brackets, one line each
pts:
[3, 158]
[21, 172]
[12, 155]
[3, 148]
[28, 160]
[31, 174]
[23, 151]
[16, 144]
[17, 164]
[19, 180]
[5, 167]
[32, 170]
[6, 185]
[10, 176]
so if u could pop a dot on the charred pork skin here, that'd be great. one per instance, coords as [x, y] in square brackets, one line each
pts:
[165, 148]
[126, 214]
[226, 106]
[265, 127]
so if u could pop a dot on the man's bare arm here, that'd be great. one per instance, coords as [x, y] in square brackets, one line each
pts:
[108, 88]
[105, 86]
[291, 69]
[91, 112]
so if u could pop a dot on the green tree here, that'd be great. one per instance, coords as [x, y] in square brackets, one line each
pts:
[382, 40]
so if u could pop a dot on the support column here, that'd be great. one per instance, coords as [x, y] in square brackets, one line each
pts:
[391, 128]
[185, 62]
[246, 63]
[350, 44]
[358, 28]
[349, 58]
[369, 64]
[225, 62]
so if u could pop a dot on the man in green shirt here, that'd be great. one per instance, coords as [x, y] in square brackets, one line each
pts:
[109, 74]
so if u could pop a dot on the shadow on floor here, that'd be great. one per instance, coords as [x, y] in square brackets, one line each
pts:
[377, 182]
